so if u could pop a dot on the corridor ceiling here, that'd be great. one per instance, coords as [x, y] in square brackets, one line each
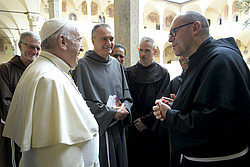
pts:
[14, 17]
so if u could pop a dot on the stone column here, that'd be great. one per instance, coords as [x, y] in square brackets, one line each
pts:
[230, 10]
[55, 8]
[126, 25]
[15, 47]
[161, 46]
[89, 10]
[33, 19]
[141, 10]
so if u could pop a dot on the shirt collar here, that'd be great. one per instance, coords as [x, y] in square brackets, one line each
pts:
[56, 60]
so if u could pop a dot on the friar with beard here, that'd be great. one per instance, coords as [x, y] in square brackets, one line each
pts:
[99, 76]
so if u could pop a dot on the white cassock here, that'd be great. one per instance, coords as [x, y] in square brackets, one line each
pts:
[49, 119]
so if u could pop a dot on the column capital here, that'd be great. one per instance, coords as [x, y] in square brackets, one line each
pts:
[33, 19]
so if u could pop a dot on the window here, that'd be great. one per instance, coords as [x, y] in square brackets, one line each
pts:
[209, 22]
[72, 16]
[219, 21]
[158, 27]
[101, 19]
[236, 17]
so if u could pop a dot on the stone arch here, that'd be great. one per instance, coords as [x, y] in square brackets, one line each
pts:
[168, 54]
[105, 11]
[217, 11]
[151, 17]
[192, 6]
[168, 18]
[110, 10]
[212, 15]
[243, 42]
[14, 19]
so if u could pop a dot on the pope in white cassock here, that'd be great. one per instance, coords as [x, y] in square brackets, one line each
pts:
[48, 118]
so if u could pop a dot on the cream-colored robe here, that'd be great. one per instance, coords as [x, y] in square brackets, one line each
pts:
[47, 109]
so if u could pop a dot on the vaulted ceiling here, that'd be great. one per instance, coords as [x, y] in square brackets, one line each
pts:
[14, 17]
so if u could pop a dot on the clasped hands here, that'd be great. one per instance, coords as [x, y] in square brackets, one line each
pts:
[121, 113]
[161, 107]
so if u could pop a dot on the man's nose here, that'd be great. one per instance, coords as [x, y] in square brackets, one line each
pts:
[36, 50]
[171, 38]
[81, 48]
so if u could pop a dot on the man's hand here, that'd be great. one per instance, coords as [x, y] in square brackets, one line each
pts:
[172, 95]
[167, 100]
[121, 113]
[160, 110]
[139, 125]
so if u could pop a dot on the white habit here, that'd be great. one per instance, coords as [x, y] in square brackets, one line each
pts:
[49, 119]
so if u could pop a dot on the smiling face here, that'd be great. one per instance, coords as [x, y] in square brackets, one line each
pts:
[146, 53]
[30, 50]
[103, 41]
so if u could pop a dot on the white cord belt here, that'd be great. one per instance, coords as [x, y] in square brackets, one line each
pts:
[2, 121]
[223, 158]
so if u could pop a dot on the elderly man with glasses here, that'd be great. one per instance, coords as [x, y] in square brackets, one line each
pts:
[209, 120]
[10, 73]
[48, 118]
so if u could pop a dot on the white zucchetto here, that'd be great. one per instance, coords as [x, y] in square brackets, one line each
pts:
[50, 27]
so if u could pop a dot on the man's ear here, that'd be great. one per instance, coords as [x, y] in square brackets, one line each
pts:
[61, 40]
[19, 45]
[196, 27]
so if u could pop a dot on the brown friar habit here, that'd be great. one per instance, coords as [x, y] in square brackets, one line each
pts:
[10, 73]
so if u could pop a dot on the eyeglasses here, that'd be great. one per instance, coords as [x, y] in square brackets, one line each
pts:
[173, 31]
[31, 46]
[118, 55]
